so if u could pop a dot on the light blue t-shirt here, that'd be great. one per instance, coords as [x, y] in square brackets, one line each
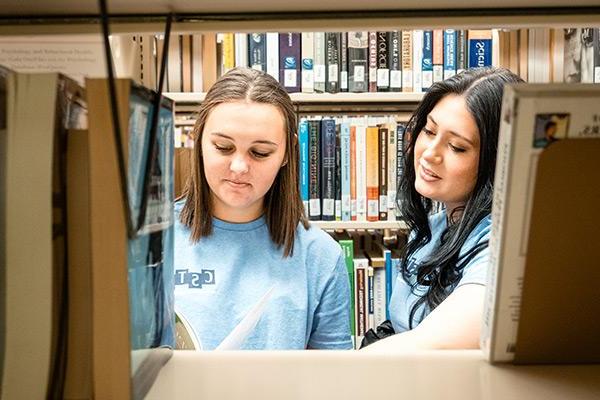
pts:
[475, 272]
[221, 277]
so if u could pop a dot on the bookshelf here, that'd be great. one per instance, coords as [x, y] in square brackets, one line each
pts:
[474, 378]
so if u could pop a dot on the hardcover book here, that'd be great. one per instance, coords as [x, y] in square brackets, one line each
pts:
[358, 68]
[290, 61]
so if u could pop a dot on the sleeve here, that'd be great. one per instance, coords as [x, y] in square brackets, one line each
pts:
[331, 322]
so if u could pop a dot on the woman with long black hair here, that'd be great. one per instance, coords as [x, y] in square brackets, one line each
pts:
[438, 298]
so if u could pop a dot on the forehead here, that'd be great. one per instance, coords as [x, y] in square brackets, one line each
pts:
[238, 117]
[452, 114]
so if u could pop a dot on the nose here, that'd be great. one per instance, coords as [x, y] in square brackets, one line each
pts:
[432, 153]
[238, 164]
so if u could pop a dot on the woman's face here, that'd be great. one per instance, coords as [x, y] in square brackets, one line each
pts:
[447, 153]
[243, 147]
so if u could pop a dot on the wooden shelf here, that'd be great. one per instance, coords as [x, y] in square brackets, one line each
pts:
[379, 97]
[331, 225]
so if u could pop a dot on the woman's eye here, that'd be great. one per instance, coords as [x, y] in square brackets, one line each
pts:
[456, 148]
[428, 132]
[223, 149]
[259, 154]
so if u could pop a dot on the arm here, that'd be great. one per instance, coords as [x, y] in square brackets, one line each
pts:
[454, 324]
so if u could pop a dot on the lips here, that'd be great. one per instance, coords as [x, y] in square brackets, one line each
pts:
[238, 184]
[428, 175]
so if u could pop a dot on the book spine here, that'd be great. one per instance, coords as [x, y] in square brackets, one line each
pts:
[338, 173]
[332, 61]
[400, 128]
[391, 171]
[289, 61]
[361, 172]
[353, 161]
[308, 58]
[395, 62]
[358, 52]
[314, 148]
[319, 64]
[449, 53]
[273, 54]
[348, 250]
[328, 169]
[383, 69]
[379, 294]
[372, 173]
[383, 163]
[257, 51]
[417, 61]
[345, 170]
[303, 141]
[372, 61]
[407, 63]
[241, 50]
[344, 62]
[480, 48]
[370, 307]
[461, 51]
[438, 55]
[427, 64]
[228, 51]
[360, 287]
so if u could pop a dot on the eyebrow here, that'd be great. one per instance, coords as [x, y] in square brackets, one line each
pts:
[429, 117]
[268, 142]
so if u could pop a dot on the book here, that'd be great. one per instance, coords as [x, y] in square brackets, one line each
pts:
[395, 61]
[345, 161]
[417, 59]
[257, 51]
[347, 246]
[344, 62]
[407, 60]
[383, 69]
[314, 182]
[304, 142]
[37, 111]
[596, 45]
[332, 61]
[461, 51]
[320, 61]
[289, 61]
[427, 62]
[372, 61]
[438, 55]
[328, 169]
[358, 68]
[308, 59]
[479, 48]
[449, 53]
[241, 49]
[273, 55]
[534, 117]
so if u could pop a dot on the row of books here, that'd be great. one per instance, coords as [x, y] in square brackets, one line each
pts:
[360, 61]
[372, 260]
[349, 167]
[102, 298]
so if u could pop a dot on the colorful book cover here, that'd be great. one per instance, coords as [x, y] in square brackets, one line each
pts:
[438, 55]
[314, 148]
[338, 173]
[348, 249]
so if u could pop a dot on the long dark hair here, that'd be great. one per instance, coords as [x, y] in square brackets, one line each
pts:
[482, 90]
[282, 202]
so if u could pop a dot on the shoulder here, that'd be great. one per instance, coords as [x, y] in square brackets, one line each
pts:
[315, 241]
[482, 230]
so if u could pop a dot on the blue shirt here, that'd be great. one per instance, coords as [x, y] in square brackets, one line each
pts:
[221, 277]
[475, 272]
